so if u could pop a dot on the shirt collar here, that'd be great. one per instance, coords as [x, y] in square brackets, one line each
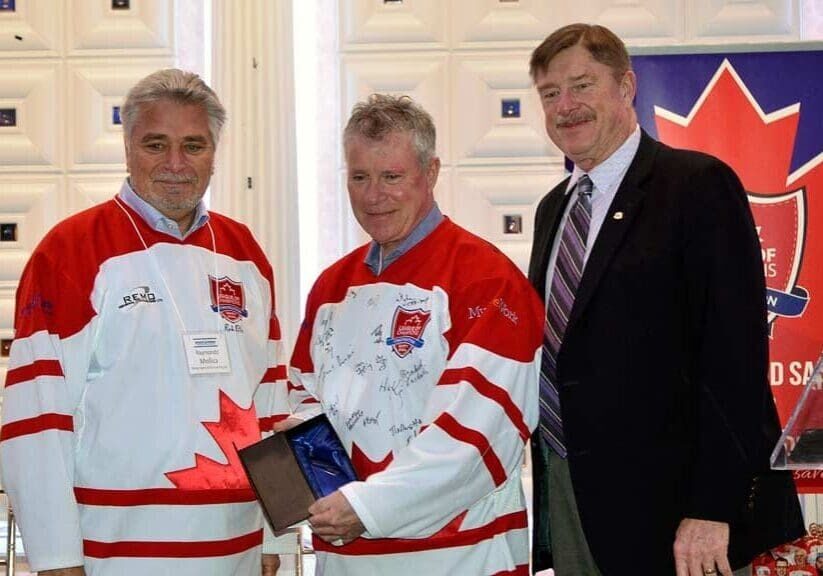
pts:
[154, 218]
[605, 175]
[424, 228]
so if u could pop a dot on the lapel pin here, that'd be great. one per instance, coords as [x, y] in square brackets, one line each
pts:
[618, 216]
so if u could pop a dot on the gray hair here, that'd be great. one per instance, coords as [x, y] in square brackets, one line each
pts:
[178, 86]
[383, 114]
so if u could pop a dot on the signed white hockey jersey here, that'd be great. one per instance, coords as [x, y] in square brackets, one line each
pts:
[429, 374]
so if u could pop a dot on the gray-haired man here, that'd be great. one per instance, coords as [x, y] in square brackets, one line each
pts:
[145, 353]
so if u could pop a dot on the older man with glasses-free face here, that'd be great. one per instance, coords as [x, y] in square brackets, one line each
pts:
[421, 349]
[655, 403]
[145, 354]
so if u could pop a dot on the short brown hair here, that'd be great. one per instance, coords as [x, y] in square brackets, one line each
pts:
[603, 44]
[383, 114]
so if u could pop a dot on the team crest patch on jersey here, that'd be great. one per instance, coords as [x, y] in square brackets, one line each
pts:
[406, 330]
[228, 298]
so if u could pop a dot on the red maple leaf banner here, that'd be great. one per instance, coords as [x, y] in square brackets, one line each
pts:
[236, 429]
[727, 121]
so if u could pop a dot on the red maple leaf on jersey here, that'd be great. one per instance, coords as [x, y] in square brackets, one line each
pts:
[236, 428]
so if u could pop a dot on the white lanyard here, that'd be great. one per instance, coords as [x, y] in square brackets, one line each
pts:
[206, 352]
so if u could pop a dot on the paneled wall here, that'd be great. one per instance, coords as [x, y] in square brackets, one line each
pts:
[466, 62]
[65, 66]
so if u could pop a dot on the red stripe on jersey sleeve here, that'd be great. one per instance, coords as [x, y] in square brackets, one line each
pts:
[490, 391]
[274, 374]
[268, 422]
[148, 549]
[459, 432]
[32, 371]
[37, 424]
[274, 323]
[157, 496]
[443, 539]
[522, 570]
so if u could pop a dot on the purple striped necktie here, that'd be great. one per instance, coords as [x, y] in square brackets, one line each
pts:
[568, 269]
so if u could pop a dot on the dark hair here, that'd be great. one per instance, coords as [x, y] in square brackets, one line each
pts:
[604, 46]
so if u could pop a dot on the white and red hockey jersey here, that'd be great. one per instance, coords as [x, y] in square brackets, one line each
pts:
[115, 457]
[429, 374]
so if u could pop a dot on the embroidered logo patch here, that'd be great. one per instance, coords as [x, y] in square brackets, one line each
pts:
[406, 330]
[227, 298]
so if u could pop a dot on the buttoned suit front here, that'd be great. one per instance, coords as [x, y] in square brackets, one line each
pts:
[662, 372]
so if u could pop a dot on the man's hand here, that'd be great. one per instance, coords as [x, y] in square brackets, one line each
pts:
[74, 571]
[271, 562]
[701, 547]
[286, 424]
[334, 520]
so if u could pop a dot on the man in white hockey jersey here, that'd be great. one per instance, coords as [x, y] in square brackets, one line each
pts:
[145, 352]
[422, 348]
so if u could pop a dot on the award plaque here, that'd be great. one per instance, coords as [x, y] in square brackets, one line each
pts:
[801, 444]
[290, 470]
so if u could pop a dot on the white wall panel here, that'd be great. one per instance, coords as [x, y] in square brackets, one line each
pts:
[484, 198]
[33, 29]
[525, 23]
[812, 21]
[6, 315]
[145, 28]
[6, 328]
[735, 20]
[397, 25]
[482, 133]
[421, 76]
[638, 22]
[86, 191]
[444, 191]
[95, 87]
[33, 90]
[30, 203]
[489, 23]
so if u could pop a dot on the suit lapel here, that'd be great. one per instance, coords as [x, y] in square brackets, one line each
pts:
[627, 202]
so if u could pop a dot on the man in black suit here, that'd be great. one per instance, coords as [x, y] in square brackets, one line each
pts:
[657, 420]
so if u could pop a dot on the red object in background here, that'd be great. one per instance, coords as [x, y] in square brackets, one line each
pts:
[727, 122]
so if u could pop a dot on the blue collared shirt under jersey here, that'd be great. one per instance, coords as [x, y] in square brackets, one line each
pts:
[156, 219]
[378, 262]
[606, 179]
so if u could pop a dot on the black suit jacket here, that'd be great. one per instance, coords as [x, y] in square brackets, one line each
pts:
[662, 373]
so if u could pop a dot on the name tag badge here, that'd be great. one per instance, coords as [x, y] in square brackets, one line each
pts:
[207, 353]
